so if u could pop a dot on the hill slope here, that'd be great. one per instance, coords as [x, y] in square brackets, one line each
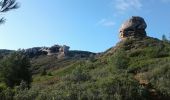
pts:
[135, 69]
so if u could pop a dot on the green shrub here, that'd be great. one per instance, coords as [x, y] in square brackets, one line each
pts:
[15, 68]
[44, 72]
[160, 78]
[80, 74]
[2, 86]
[49, 74]
[121, 60]
[7, 94]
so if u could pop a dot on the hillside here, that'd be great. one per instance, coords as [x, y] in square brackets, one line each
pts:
[136, 68]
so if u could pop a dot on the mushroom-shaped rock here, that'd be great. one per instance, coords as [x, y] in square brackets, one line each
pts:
[134, 27]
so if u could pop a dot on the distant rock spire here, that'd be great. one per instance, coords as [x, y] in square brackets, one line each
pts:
[133, 27]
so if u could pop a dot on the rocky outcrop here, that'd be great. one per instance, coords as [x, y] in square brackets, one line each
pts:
[58, 50]
[134, 27]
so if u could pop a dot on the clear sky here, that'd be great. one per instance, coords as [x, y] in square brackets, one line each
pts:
[91, 25]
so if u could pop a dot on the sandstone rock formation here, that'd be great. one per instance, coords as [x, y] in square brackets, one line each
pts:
[134, 27]
[57, 51]
[61, 51]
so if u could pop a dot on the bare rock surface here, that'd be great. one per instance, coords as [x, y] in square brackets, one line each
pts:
[133, 27]
[53, 50]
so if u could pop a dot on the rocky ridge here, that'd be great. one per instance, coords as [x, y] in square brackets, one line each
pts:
[58, 50]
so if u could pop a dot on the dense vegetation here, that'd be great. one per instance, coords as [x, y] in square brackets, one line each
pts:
[135, 69]
[14, 70]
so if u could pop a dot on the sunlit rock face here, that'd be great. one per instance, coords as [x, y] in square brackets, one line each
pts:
[133, 27]
[59, 50]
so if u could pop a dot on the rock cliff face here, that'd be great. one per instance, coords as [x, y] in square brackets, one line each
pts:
[133, 27]
[58, 50]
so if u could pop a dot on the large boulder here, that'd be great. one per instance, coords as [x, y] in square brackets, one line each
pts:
[133, 27]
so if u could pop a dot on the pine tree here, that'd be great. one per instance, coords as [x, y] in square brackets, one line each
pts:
[14, 69]
[7, 5]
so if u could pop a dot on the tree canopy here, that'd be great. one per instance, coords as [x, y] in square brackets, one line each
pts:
[14, 69]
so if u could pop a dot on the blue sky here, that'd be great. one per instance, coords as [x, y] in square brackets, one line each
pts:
[91, 25]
